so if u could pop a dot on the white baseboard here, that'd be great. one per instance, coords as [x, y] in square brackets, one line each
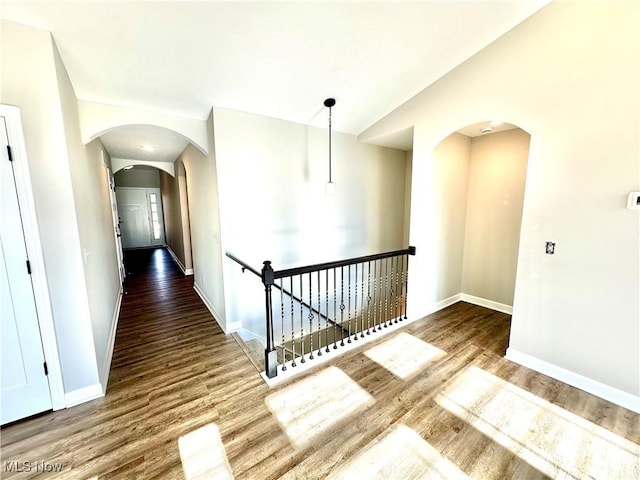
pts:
[594, 387]
[483, 302]
[308, 364]
[84, 394]
[247, 335]
[185, 271]
[106, 366]
[446, 302]
[217, 317]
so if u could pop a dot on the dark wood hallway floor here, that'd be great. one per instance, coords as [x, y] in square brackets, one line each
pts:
[433, 400]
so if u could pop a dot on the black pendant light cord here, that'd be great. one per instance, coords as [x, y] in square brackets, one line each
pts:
[330, 102]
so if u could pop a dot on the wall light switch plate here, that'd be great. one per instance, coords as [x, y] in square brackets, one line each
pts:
[550, 248]
[633, 201]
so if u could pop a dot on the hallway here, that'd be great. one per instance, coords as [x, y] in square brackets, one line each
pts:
[437, 398]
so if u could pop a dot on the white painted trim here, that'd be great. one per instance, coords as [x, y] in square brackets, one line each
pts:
[84, 394]
[445, 303]
[303, 367]
[483, 302]
[175, 258]
[106, 366]
[232, 327]
[300, 367]
[185, 271]
[437, 306]
[34, 249]
[624, 399]
[247, 335]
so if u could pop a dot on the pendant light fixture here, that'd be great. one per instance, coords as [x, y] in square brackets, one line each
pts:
[331, 187]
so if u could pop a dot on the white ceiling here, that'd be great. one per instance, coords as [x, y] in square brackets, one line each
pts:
[280, 59]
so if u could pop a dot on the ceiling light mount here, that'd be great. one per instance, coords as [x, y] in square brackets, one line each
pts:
[329, 102]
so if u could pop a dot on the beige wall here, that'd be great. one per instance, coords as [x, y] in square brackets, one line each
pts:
[450, 185]
[497, 175]
[407, 198]
[569, 76]
[31, 73]
[95, 226]
[272, 177]
[176, 215]
[204, 216]
[146, 177]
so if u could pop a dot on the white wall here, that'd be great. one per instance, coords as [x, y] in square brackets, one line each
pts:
[272, 177]
[30, 81]
[569, 76]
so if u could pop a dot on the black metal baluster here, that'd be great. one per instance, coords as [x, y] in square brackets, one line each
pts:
[302, 360]
[368, 297]
[335, 310]
[391, 292]
[342, 306]
[362, 302]
[375, 287]
[355, 306]
[349, 308]
[383, 294]
[319, 317]
[383, 288]
[310, 322]
[284, 354]
[395, 310]
[293, 328]
[326, 299]
[402, 299]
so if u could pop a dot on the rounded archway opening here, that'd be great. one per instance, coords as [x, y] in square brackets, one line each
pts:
[480, 171]
[150, 145]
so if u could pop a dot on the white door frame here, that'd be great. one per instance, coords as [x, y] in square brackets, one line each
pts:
[116, 220]
[34, 250]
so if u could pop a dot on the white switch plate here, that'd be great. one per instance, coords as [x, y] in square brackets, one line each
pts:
[633, 201]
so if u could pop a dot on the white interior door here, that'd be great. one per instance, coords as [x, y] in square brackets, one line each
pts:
[116, 223]
[24, 386]
[141, 221]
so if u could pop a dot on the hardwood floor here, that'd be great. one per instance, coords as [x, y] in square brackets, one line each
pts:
[438, 401]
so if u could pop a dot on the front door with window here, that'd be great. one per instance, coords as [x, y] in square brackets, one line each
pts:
[141, 220]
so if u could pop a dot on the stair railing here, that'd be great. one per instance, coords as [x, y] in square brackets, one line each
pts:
[336, 303]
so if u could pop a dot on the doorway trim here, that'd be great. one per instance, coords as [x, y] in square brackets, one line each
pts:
[15, 135]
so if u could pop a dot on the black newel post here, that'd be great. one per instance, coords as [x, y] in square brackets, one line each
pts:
[412, 251]
[270, 353]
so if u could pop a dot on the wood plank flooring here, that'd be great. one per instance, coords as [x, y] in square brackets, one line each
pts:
[462, 412]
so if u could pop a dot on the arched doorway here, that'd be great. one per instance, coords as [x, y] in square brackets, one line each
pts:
[481, 174]
[150, 183]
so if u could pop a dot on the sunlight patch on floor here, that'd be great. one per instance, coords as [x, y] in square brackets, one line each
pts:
[317, 403]
[556, 442]
[203, 455]
[404, 355]
[400, 454]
